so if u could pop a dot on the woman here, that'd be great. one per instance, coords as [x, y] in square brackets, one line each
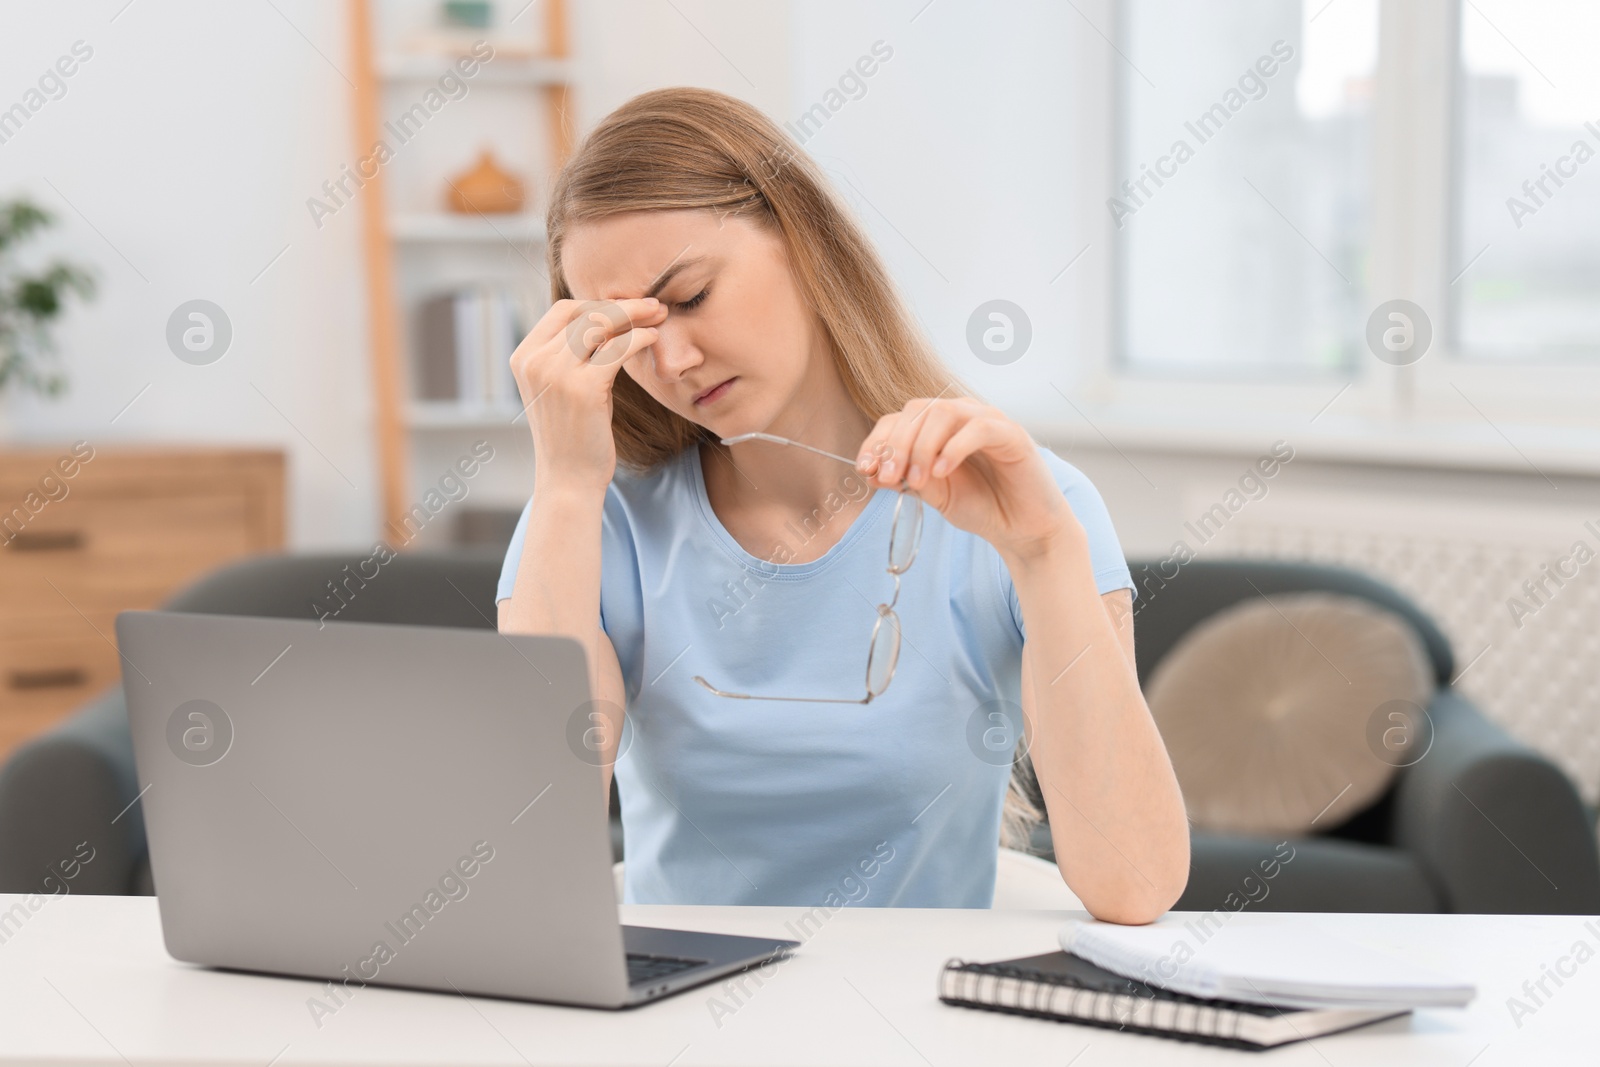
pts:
[707, 285]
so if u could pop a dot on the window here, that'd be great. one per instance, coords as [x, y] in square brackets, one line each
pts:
[1445, 154]
[1527, 207]
[1242, 204]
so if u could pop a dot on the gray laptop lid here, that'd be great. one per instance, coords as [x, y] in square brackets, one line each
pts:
[395, 804]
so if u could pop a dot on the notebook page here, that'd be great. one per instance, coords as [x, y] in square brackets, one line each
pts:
[1288, 963]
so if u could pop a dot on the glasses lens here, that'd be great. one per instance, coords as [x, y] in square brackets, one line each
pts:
[906, 533]
[885, 651]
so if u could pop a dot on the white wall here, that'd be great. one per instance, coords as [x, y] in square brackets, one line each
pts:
[189, 142]
[625, 47]
[958, 161]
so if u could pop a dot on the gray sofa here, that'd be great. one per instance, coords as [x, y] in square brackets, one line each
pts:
[1481, 824]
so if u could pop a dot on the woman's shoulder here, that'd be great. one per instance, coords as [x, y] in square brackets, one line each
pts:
[1067, 476]
[1110, 565]
[1079, 489]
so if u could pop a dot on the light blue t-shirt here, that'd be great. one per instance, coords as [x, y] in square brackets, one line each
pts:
[727, 801]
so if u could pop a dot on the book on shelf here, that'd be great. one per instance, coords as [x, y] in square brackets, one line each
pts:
[1067, 988]
[464, 340]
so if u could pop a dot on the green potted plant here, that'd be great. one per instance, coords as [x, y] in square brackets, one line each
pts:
[31, 299]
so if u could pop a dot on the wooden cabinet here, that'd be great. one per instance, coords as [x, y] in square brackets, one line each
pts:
[86, 532]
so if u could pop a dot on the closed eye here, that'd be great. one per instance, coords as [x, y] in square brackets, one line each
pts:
[693, 302]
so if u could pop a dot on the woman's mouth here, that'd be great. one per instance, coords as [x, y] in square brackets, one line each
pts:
[713, 395]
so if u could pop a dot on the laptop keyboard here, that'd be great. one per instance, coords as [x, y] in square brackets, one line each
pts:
[645, 968]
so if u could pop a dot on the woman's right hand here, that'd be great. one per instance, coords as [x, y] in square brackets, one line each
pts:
[565, 369]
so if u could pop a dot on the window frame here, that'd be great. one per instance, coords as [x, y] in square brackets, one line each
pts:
[1413, 247]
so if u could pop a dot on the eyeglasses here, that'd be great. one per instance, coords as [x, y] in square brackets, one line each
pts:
[884, 651]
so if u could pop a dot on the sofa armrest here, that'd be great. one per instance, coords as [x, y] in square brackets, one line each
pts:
[73, 785]
[1499, 828]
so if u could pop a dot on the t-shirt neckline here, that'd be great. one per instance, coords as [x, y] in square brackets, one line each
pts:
[859, 527]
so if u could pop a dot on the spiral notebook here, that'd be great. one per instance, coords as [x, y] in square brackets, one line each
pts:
[1067, 988]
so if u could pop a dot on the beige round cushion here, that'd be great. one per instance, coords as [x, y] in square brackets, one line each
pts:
[1265, 708]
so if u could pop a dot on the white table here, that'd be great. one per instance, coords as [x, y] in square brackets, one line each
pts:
[86, 980]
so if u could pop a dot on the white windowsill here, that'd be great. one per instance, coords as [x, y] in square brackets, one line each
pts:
[1532, 450]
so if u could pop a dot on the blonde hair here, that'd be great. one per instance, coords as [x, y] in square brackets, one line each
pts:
[687, 148]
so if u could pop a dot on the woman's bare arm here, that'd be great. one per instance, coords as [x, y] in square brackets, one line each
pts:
[565, 369]
[557, 591]
[1116, 814]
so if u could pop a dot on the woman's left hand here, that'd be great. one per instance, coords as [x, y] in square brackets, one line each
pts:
[981, 471]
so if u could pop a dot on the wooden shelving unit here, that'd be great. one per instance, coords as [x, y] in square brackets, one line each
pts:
[411, 244]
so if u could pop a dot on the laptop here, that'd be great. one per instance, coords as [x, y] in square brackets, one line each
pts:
[364, 803]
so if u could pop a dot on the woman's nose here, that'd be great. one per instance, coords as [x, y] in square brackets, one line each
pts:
[674, 353]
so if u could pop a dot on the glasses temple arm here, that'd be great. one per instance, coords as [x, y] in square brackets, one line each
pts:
[783, 441]
[801, 700]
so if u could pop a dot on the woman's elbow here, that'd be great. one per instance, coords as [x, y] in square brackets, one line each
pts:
[1140, 898]
[1133, 909]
